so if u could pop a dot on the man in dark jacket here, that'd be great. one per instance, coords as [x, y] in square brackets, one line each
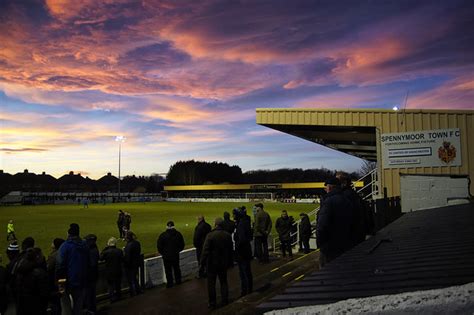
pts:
[3, 288]
[243, 249]
[54, 297]
[229, 225]
[200, 232]
[169, 244]
[72, 266]
[92, 274]
[217, 255]
[334, 222]
[120, 223]
[31, 283]
[284, 225]
[362, 223]
[262, 228]
[132, 260]
[305, 232]
[113, 258]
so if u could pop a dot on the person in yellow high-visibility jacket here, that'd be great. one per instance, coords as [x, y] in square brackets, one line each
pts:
[10, 231]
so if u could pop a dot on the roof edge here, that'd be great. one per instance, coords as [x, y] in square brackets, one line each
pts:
[368, 110]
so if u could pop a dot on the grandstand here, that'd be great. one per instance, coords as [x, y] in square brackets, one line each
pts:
[283, 192]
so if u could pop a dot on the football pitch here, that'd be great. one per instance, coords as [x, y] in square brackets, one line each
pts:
[46, 222]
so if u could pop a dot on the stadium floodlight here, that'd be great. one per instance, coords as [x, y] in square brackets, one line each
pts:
[395, 108]
[120, 140]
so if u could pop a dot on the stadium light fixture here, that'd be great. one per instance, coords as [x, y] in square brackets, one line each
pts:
[120, 140]
[395, 108]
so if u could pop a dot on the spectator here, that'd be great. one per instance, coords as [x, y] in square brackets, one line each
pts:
[200, 232]
[31, 283]
[262, 228]
[284, 226]
[92, 274]
[113, 258]
[10, 231]
[334, 223]
[229, 225]
[243, 249]
[71, 269]
[132, 261]
[127, 221]
[3, 288]
[169, 244]
[120, 221]
[217, 255]
[54, 296]
[305, 232]
[362, 224]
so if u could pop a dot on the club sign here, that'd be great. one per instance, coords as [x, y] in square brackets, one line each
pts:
[440, 147]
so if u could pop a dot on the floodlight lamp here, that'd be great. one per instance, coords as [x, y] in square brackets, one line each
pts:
[395, 108]
[120, 138]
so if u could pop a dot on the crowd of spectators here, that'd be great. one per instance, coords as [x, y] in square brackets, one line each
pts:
[66, 279]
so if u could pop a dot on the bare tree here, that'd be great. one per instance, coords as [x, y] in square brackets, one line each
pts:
[367, 167]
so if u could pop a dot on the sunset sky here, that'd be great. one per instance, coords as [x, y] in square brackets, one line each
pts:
[182, 79]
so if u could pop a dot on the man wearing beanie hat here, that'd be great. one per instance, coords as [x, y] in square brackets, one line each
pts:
[72, 266]
[169, 244]
[217, 256]
[113, 258]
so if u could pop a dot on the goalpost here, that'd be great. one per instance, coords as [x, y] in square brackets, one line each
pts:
[260, 196]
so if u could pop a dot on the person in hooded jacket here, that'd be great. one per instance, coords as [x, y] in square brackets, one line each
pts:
[200, 232]
[217, 255]
[133, 258]
[31, 284]
[243, 249]
[113, 258]
[169, 244]
[71, 269]
[305, 232]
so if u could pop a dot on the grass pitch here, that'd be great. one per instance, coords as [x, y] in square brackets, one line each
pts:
[46, 222]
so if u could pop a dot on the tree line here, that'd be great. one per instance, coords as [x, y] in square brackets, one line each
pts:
[198, 173]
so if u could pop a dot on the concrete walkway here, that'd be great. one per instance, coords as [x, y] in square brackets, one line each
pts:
[191, 296]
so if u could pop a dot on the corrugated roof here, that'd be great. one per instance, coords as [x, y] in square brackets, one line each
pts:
[422, 250]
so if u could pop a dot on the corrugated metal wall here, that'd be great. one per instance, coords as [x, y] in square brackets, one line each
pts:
[387, 121]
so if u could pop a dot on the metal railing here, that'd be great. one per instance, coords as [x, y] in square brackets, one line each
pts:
[373, 192]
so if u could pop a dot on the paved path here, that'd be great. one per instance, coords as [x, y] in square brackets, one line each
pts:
[191, 296]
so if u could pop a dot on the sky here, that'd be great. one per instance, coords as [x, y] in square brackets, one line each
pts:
[182, 79]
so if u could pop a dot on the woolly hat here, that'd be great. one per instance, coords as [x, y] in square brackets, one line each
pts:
[13, 247]
[170, 225]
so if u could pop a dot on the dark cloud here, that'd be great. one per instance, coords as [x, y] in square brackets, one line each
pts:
[8, 150]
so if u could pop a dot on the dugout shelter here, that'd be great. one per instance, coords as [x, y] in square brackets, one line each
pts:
[424, 156]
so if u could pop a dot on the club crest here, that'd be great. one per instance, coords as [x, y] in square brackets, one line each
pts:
[447, 152]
